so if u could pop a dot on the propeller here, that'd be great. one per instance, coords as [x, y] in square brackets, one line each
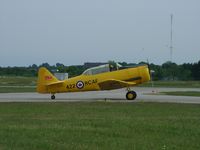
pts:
[151, 72]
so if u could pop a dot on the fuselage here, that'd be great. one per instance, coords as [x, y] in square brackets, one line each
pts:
[138, 75]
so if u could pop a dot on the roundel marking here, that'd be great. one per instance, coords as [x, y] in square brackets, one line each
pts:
[80, 84]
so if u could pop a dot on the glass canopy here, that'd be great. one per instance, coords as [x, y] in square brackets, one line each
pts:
[101, 69]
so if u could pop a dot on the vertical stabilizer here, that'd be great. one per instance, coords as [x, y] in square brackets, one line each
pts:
[44, 78]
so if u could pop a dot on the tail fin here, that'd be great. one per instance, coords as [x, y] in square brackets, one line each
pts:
[44, 78]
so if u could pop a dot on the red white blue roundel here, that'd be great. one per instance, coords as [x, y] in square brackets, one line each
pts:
[79, 84]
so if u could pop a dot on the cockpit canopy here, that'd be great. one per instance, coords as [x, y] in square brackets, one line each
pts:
[102, 69]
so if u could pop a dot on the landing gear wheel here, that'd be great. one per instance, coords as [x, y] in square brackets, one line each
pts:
[131, 95]
[53, 97]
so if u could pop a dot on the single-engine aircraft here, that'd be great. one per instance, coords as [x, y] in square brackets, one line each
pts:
[103, 77]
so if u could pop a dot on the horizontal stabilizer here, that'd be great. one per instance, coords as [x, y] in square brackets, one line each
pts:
[55, 83]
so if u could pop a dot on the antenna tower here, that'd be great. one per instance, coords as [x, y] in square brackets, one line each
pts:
[171, 35]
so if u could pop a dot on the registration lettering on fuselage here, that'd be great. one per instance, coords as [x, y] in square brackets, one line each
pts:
[81, 84]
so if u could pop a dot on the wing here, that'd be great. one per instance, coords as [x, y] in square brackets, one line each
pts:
[114, 84]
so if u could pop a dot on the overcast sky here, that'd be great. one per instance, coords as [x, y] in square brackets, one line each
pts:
[77, 31]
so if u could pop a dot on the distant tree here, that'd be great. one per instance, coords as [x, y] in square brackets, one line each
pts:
[142, 62]
[34, 66]
[170, 70]
[166, 71]
[184, 73]
[196, 71]
[158, 72]
[45, 65]
[123, 63]
[74, 70]
[127, 64]
[59, 65]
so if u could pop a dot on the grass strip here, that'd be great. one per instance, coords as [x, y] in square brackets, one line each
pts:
[17, 89]
[17, 81]
[178, 84]
[183, 93]
[99, 125]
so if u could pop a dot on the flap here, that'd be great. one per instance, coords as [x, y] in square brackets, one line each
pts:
[114, 84]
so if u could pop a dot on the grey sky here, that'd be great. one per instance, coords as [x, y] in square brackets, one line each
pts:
[75, 31]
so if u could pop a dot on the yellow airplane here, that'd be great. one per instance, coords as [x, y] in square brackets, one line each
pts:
[104, 77]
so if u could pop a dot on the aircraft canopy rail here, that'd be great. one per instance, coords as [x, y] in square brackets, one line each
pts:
[101, 69]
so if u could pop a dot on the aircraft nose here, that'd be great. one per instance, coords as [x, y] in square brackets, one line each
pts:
[146, 74]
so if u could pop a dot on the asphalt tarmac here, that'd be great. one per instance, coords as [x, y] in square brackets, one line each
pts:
[143, 95]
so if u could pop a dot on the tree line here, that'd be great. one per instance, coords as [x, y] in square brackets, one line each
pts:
[166, 71]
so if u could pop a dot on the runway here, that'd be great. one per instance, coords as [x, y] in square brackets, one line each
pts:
[144, 95]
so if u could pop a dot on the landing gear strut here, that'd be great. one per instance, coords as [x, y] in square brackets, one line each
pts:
[53, 97]
[131, 95]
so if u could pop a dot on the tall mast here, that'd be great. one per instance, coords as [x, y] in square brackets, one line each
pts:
[171, 47]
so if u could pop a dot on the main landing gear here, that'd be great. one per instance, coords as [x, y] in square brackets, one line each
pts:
[131, 95]
[53, 97]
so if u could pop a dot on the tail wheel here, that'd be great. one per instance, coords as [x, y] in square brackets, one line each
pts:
[131, 95]
[53, 97]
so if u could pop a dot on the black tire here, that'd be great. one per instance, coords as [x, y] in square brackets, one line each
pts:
[131, 95]
[53, 97]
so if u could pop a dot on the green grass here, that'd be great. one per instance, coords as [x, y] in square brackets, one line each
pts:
[178, 84]
[17, 84]
[183, 93]
[17, 81]
[99, 125]
[17, 89]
